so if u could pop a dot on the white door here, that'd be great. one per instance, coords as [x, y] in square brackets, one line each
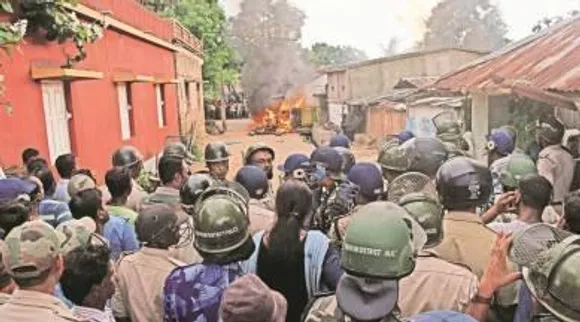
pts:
[335, 114]
[56, 118]
[124, 108]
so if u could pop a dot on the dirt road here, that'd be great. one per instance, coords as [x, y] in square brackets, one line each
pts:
[238, 140]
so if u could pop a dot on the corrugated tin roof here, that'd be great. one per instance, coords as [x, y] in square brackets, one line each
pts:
[549, 60]
[416, 82]
[340, 68]
[395, 95]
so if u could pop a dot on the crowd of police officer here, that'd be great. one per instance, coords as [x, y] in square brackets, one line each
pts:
[426, 233]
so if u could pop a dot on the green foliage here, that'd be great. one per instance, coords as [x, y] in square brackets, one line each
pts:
[323, 54]
[207, 21]
[58, 23]
[471, 24]
[11, 34]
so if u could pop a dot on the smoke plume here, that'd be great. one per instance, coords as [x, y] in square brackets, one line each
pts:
[267, 35]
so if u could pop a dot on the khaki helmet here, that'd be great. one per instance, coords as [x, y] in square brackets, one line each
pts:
[260, 146]
[426, 211]
[216, 152]
[221, 226]
[378, 242]
[518, 166]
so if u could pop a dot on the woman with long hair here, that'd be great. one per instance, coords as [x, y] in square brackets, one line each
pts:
[291, 260]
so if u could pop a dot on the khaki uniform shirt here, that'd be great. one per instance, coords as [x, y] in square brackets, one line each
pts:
[468, 242]
[140, 281]
[436, 285]
[32, 306]
[557, 165]
[260, 217]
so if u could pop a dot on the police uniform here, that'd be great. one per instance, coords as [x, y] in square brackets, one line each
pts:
[432, 275]
[261, 218]
[557, 165]
[326, 308]
[32, 306]
[468, 242]
[141, 278]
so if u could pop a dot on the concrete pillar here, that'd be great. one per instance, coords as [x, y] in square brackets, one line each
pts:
[479, 123]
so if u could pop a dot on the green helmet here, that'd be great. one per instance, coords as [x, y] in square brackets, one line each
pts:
[554, 280]
[260, 146]
[428, 213]
[216, 152]
[518, 166]
[222, 226]
[394, 159]
[378, 242]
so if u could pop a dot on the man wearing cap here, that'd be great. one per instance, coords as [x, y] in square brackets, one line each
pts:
[555, 163]
[32, 254]
[141, 275]
[217, 160]
[335, 194]
[378, 251]
[16, 205]
[255, 181]
[262, 156]
[433, 275]
[130, 158]
[499, 147]
[193, 293]
[295, 167]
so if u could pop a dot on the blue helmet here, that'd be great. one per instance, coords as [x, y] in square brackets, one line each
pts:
[369, 178]
[293, 162]
[339, 140]
[254, 179]
[500, 140]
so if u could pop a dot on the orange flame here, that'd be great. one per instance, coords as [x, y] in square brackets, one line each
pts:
[277, 118]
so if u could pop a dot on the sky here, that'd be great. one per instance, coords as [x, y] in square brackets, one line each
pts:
[370, 24]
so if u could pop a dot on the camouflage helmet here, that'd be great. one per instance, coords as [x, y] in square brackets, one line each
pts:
[553, 279]
[378, 242]
[126, 156]
[518, 166]
[453, 149]
[216, 152]
[348, 158]
[394, 159]
[462, 183]
[428, 213]
[260, 146]
[446, 122]
[425, 155]
[196, 184]
[221, 226]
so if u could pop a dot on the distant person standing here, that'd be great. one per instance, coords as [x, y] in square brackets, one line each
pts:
[66, 166]
[130, 158]
[555, 163]
[29, 154]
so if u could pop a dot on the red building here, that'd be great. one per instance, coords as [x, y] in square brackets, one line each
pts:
[124, 92]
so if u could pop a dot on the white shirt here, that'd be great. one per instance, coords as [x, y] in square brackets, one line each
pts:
[93, 315]
[509, 228]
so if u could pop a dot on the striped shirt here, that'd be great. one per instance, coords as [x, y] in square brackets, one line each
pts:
[93, 315]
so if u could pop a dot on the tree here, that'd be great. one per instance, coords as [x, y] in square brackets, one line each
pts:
[470, 24]
[267, 35]
[207, 21]
[323, 54]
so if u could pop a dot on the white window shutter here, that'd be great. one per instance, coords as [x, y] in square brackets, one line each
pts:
[56, 118]
[124, 111]
[160, 103]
